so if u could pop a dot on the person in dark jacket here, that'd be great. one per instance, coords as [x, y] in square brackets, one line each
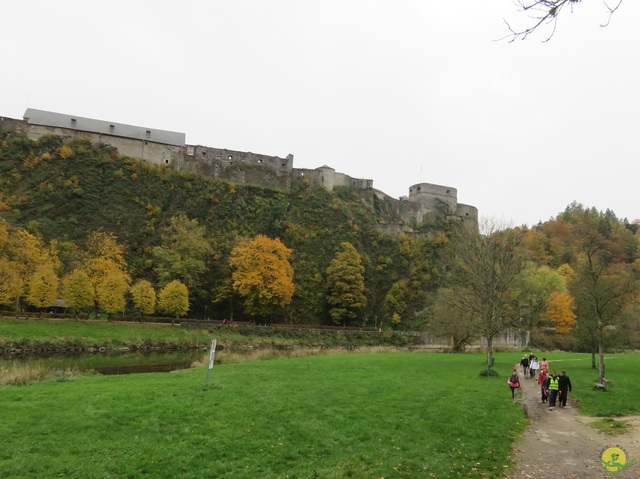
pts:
[524, 362]
[514, 384]
[564, 386]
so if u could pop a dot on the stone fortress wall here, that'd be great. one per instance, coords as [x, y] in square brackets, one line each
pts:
[169, 148]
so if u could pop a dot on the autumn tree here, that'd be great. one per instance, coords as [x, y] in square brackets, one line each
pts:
[173, 299]
[345, 284]
[112, 292]
[183, 253]
[486, 271]
[533, 289]
[103, 258]
[144, 297]
[559, 310]
[10, 282]
[262, 275]
[27, 253]
[43, 287]
[77, 291]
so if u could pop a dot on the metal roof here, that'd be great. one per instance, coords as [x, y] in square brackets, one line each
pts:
[59, 120]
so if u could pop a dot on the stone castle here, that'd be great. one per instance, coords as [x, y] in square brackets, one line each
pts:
[169, 148]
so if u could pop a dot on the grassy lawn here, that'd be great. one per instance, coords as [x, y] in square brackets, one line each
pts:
[95, 331]
[392, 415]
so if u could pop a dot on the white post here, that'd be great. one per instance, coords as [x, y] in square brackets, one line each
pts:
[212, 354]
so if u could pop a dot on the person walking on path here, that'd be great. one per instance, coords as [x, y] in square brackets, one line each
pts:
[564, 386]
[533, 367]
[544, 364]
[514, 384]
[524, 362]
[542, 378]
[553, 385]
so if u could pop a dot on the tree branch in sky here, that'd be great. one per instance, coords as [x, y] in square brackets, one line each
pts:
[546, 12]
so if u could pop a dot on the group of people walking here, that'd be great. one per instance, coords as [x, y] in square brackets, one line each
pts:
[554, 389]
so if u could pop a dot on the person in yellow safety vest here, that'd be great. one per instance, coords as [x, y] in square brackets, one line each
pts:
[552, 385]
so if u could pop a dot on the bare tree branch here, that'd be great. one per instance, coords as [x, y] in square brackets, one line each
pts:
[546, 12]
[611, 12]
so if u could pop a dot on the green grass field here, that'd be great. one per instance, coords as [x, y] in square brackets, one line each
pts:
[393, 415]
[387, 415]
[94, 331]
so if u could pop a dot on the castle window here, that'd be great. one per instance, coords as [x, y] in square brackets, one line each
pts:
[418, 188]
[284, 165]
[146, 142]
[204, 153]
[148, 133]
[448, 191]
[259, 161]
[229, 157]
[74, 123]
[166, 161]
[112, 128]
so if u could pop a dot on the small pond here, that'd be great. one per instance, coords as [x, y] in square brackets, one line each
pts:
[120, 362]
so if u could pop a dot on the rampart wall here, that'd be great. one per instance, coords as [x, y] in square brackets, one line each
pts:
[161, 147]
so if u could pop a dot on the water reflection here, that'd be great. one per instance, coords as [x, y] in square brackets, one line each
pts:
[108, 363]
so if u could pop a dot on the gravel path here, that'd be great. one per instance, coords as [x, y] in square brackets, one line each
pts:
[561, 444]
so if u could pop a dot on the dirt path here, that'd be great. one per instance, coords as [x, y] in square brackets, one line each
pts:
[561, 444]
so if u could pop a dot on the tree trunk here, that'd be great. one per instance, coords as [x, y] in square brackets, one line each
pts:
[593, 360]
[489, 353]
[600, 364]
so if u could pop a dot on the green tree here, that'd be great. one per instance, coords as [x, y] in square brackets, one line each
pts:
[533, 290]
[486, 274]
[174, 299]
[77, 291]
[345, 280]
[43, 287]
[183, 253]
[144, 297]
[605, 280]
[262, 274]
[112, 293]
[447, 320]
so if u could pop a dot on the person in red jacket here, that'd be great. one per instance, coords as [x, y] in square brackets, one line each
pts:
[542, 378]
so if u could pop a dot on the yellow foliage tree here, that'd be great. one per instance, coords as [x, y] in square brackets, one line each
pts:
[43, 287]
[262, 274]
[104, 257]
[174, 299]
[144, 297]
[65, 152]
[10, 282]
[560, 307]
[111, 294]
[27, 252]
[77, 291]
[4, 234]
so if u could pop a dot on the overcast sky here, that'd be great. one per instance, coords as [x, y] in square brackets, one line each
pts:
[400, 92]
